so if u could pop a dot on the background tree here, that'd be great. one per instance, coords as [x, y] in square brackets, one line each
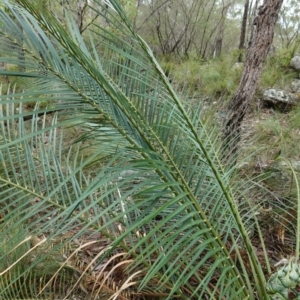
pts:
[188, 27]
[243, 29]
[256, 55]
[289, 25]
[79, 10]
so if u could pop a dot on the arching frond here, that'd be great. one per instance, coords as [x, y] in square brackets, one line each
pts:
[110, 157]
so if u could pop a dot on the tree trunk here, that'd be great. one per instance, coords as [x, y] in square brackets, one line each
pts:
[243, 30]
[221, 28]
[251, 21]
[218, 48]
[256, 54]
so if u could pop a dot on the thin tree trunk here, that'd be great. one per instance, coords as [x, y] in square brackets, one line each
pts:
[221, 25]
[256, 54]
[251, 22]
[218, 48]
[243, 30]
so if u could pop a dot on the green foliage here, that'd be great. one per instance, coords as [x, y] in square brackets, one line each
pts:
[219, 78]
[215, 78]
[13, 263]
[139, 205]
[277, 71]
[277, 134]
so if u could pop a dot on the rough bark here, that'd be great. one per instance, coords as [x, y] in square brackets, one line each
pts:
[255, 57]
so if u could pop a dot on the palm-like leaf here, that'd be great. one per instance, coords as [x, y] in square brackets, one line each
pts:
[145, 176]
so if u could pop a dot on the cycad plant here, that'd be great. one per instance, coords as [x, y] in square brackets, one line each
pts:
[112, 187]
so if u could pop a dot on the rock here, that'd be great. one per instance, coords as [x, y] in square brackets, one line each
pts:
[280, 99]
[295, 86]
[295, 62]
[238, 66]
[283, 166]
[132, 175]
[128, 173]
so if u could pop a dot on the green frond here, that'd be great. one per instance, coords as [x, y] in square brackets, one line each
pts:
[141, 177]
